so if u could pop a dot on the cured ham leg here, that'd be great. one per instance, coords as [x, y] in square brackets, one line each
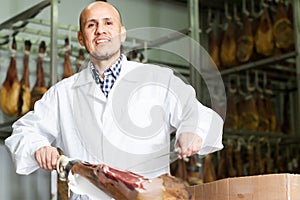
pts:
[68, 71]
[124, 185]
[264, 41]
[40, 87]
[232, 116]
[25, 94]
[10, 90]
[283, 29]
[228, 47]
[245, 42]
[80, 60]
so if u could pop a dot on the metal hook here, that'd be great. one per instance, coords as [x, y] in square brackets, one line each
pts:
[226, 11]
[245, 11]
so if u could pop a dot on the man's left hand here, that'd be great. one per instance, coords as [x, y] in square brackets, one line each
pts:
[189, 144]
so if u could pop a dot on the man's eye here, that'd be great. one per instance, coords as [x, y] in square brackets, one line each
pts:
[90, 25]
[109, 23]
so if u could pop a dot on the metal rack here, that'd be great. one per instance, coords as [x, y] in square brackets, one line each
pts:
[23, 19]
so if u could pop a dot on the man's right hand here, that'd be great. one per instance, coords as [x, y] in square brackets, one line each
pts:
[46, 157]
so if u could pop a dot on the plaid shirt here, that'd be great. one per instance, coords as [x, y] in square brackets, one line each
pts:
[110, 75]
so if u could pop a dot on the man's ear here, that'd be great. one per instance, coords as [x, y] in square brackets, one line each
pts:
[80, 38]
[123, 34]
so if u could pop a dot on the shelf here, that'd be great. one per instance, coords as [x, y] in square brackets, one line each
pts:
[22, 17]
[246, 133]
[263, 63]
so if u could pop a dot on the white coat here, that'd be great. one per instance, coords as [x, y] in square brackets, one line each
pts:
[134, 123]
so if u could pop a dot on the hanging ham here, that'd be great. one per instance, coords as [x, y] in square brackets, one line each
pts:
[245, 42]
[230, 156]
[68, 69]
[263, 120]
[209, 173]
[270, 110]
[193, 171]
[80, 60]
[124, 185]
[222, 165]
[248, 115]
[25, 94]
[231, 120]
[10, 90]
[40, 87]
[283, 29]
[251, 156]
[228, 47]
[213, 48]
[264, 41]
[181, 171]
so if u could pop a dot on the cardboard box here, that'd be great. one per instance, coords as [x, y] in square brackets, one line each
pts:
[262, 187]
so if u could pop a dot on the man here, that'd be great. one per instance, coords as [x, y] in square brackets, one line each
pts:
[101, 115]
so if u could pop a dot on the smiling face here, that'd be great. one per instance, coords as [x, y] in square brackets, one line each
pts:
[101, 31]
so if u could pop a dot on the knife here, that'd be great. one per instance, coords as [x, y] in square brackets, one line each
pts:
[173, 156]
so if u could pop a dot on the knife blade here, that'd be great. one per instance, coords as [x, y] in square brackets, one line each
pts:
[173, 156]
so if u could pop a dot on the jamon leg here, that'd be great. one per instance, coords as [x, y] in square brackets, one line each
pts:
[125, 185]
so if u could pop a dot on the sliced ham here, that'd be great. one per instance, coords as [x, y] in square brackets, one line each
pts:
[10, 90]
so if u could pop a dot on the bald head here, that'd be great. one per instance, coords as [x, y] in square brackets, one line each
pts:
[98, 5]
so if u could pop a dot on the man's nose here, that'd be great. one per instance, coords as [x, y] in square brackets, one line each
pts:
[100, 30]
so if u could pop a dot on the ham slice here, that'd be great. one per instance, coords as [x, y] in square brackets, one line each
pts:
[264, 41]
[40, 87]
[124, 185]
[283, 30]
[10, 90]
[25, 94]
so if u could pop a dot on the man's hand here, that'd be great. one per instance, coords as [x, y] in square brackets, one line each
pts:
[46, 157]
[189, 144]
